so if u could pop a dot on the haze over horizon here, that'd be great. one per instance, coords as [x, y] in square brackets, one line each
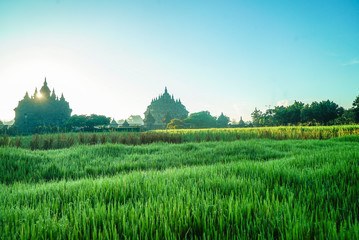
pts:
[113, 57]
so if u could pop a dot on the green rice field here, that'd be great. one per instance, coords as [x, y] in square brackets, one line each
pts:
[259, 183]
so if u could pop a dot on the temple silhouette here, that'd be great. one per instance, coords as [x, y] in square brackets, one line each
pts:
[44, 109]
[162, 110]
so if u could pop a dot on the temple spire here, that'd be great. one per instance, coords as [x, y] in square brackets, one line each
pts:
[35, 93]
[45, 91]
[166, 90]
[53, 95]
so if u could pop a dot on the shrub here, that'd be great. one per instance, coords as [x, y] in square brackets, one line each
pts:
[103, 139]
[18, 142]
[81, 138]
[115, 138]
[35, 142]
[48, 142]
[93, 139]
[5, 140]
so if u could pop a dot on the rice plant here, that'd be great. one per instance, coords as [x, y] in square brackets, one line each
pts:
[251, 189]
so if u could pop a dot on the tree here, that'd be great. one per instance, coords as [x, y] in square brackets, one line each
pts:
[280, 115]
[87, 121]
[306, 114]
[76, 121]
[293, 112]
[201, 120]
[288, 115]
[222, 121]
[256, 117]
[267, 118]
[325, 112]
[97, 120]
[356, 109]
[175, 124]
[348, 117]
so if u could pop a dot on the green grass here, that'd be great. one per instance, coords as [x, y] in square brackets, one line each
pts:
[254, 189]
[67, 140]
[22, 165]
[276, 133]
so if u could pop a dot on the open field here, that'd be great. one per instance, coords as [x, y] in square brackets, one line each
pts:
[221, 189]
[67, 140]
[276, 133]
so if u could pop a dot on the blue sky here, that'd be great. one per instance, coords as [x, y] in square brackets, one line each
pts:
[113, 57]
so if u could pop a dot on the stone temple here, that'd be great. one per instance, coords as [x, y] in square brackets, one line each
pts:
[42, 109]
[162, 110]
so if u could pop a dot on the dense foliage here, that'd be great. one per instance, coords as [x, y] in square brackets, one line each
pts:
[201, 120]
[316, 113]
[356, 109]
[222, 121]
[67, 140]
[175, 124]
[87, 122]
[255, 189]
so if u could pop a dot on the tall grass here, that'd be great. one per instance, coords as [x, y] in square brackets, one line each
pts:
[276, 133]
[66, 140]
[107, 160]
[210, 186]
[272, 190]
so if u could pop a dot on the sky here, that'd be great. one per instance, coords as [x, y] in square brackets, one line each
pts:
[113, 57]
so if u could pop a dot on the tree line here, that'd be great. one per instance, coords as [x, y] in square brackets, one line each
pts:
[317, 113]
[201, 119]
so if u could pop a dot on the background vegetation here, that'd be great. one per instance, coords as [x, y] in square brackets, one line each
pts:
[67, 140]
[316, 113]
[255, 188]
